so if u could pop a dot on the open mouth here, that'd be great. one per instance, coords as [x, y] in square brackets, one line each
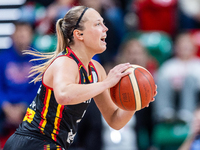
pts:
[103, 39]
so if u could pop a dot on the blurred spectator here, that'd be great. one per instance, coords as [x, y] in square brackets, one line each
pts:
[134, 52]
[189, 14]
[195, 35]
[32, 12]
[160, 15]
[42, 2]
[54, 11]
[192, 142]
[178, 82]
[15, 91]
[113, 11]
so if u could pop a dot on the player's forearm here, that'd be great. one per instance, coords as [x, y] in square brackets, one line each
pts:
[120, 118]
[77, 93]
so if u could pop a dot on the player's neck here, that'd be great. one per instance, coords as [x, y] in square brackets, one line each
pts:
[83, 54]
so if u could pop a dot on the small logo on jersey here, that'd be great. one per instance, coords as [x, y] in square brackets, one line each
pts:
[33, 105]
[70, 137]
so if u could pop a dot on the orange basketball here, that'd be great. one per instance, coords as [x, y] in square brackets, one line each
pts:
[134, 91]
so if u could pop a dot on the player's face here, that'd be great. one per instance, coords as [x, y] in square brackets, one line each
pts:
[95, 31]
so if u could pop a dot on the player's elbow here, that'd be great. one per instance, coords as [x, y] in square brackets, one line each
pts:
[116, 126]
[63, 99]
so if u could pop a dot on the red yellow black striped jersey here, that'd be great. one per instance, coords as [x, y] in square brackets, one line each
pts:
[47, 119]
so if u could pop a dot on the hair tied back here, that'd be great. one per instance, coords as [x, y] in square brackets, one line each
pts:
[60, 21]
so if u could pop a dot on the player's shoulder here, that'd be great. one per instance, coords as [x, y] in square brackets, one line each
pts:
[97, 65]
[63, 63]
[63, 60]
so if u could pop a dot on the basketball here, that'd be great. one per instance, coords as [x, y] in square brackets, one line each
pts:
[134, 91]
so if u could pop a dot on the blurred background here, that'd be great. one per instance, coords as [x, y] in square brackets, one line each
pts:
[160, 35]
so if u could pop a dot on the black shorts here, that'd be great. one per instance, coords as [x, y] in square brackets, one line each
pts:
[21, 142]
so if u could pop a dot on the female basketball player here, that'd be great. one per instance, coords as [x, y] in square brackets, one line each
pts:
[70, 78]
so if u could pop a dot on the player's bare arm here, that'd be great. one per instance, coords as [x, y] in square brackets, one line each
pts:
[113, 115]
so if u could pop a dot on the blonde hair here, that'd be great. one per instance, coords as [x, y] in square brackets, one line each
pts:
[64, 32]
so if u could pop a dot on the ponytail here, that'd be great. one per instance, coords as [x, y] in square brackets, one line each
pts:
[48, 57]
[64, 29]
[62, 41]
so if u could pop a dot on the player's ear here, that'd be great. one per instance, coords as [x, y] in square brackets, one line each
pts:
[78, 34]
